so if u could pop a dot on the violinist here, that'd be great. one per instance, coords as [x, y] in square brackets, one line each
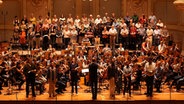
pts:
[127, 72]
[19, 76]
[150, 69]
[146, 47]
[111, 72]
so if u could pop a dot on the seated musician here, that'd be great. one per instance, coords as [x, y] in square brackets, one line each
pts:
[159, 76]
[53, 53]
[19, 76]
[138, 76]
[50, 48]
[106, 48]
[86, 41]
[146, 47]
[3, 74]
[97, 40]
[161, 48]
[120, 49]
[176, 66]
[180, 82]
[40, 79]
[61, 80]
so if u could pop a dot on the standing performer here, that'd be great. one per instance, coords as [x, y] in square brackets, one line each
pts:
[112, 33]
[127, 71]
[159, 76]
[150, 69]
[111, 76]
[74, 75]
[52, 79]
[93, 77]
[29, 71]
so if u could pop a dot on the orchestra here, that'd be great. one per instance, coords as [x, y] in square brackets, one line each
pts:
[121, 64]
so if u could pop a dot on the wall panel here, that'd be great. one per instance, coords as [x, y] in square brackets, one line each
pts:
[111, 6]
[8, 10]
[37, 7]
[64, 7]
[137, 6]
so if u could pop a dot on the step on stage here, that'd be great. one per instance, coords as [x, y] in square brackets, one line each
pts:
[138, 97]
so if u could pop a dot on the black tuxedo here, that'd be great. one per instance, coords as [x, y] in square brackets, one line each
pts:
[30, 78]
[93, 77]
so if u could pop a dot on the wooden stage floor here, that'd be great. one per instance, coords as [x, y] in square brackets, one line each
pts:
[137, 96]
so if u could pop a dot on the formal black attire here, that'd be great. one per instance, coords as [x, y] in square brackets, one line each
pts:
[93, 77]
[45, 39]
[29, 73]
[158, 78]
[74, 77]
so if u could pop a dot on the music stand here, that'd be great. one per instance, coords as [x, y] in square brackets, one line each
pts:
[84, 71]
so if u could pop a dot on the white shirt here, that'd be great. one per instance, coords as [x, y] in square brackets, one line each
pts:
[97, 21]
[121, 49]
[69, 20]
[122, 25]
[150, 67]
[66, 33]
[138, 25]
[160, 24]
[156, 32]
[76, 22]
[149, 32]
[124, 32]
[161, 48]
[112, 31]
[127, 70]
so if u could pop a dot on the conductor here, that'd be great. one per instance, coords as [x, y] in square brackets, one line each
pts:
[93, 77]
[29, 71]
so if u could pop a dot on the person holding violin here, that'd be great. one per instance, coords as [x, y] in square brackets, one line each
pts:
[111, 70]
[150, 69]
[127, 72]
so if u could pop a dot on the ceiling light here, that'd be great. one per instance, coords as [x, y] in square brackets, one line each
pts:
[179, 4]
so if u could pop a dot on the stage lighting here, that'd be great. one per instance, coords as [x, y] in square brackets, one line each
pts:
[179, 4]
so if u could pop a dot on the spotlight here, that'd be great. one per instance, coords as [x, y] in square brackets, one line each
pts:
[179, 4]
[1, 1]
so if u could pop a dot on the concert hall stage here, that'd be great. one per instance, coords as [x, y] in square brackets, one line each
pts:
[138, 97]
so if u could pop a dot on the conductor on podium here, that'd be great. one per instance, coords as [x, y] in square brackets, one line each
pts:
[93, 67]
